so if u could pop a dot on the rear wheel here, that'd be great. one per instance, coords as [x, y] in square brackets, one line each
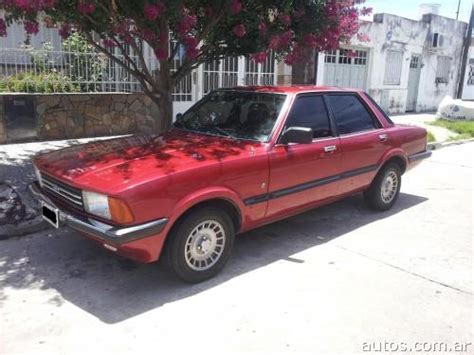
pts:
[384, 190]
[201, 244]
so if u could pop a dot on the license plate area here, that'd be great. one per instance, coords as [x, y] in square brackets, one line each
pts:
[50, 214]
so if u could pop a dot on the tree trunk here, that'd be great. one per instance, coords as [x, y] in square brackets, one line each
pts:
[304, 73]
[163, 98]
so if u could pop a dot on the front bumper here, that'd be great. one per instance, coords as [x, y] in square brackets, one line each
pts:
[99, 230]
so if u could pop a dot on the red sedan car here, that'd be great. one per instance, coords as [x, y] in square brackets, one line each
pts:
[238, 159]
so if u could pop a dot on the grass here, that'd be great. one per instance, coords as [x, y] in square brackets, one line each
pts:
[431, 137]
[464, 129]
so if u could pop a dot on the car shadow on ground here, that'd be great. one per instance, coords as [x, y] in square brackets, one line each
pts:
[114, 289]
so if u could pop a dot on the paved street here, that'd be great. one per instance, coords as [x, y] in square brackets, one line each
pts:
[328, 280]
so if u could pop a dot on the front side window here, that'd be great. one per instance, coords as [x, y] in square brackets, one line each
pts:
[236, 114]
[350, 114]
[310, 112]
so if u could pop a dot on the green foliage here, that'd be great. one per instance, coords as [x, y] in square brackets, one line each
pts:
[431, 137]
[463, 128]
[82, 62]
[29, 81]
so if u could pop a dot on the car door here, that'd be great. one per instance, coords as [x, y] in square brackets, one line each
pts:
[363, 141]
[302, 174]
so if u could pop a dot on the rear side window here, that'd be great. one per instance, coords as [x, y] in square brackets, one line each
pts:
[310, 112]
[350, 114]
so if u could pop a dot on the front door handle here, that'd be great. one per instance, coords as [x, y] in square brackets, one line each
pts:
[330, 148]
[383, 137]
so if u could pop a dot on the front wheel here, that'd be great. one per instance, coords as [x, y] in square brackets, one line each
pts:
[201, 244]
[384, 190]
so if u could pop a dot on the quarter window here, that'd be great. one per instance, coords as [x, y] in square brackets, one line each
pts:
[350, 114]
[310, 112]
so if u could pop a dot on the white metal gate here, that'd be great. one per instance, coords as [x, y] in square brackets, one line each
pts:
[413, 82]
[346, 68]
[228, 72]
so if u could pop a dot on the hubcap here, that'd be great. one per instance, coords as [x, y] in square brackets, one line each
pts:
[204, 245]
[389, 187]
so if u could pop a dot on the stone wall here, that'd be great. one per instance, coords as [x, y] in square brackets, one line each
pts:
[62, 116]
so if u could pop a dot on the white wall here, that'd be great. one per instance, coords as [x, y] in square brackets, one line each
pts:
[468, 90]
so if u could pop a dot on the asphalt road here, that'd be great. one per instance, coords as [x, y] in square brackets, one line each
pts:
[337, 279]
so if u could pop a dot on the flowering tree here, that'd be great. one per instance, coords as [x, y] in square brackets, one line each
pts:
[205, 29]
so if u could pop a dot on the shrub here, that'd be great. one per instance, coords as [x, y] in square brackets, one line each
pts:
[28, 81]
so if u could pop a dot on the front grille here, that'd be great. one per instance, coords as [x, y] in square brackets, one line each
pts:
[62, 190]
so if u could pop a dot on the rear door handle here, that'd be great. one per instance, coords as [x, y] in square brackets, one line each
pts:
[330, 148]
[383, 137]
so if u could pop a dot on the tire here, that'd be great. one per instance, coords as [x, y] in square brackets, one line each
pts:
[385, 189]
[200, 245]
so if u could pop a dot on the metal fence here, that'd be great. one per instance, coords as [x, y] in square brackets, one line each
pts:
[46, 63]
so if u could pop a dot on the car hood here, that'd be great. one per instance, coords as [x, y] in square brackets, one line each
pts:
[115, 162]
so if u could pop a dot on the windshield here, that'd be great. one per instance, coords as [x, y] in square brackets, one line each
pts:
[235, 114]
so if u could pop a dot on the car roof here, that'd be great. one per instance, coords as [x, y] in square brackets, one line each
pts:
[292, 89]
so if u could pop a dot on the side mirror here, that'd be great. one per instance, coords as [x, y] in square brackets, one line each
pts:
[300, 135]
[178, 116]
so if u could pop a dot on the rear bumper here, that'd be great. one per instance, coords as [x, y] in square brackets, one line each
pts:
[419, 156]
[113, 237]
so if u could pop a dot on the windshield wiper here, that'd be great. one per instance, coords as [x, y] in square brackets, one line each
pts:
[221, 131]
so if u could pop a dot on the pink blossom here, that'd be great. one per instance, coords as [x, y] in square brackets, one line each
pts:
[161, 52]
[152, 11]
[311, 40]
[285, 19]
[262, 28]
[3, 28]
[363, 37]
[109, 43]
[31, 27]
[24, 5]
[64, 31]
[235, 7]
[191, 42]
[148, 34]
[192, 53]
[260, 57]
[240, 30]
[274, 42]
[186, 24]
[48, 4]
[86, 8]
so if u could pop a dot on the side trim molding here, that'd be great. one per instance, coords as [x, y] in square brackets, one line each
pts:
[309, 185]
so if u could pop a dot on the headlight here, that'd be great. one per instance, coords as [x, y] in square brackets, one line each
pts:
[97, 204]
[38, 175]
[107, 207]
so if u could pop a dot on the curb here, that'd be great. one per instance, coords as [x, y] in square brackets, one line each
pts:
[9, 230]
[439, 145]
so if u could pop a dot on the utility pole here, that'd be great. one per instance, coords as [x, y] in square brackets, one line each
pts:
[459, 6]
[467, 43]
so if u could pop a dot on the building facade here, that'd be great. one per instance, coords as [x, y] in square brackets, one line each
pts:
[407, 66]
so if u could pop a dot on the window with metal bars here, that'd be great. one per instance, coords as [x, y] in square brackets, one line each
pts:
[393, 67]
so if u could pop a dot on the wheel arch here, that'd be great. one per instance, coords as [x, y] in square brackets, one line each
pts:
[396, 156]
[219, 197]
